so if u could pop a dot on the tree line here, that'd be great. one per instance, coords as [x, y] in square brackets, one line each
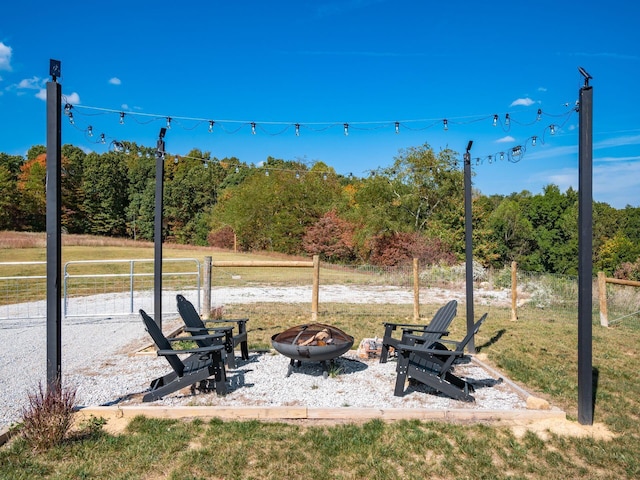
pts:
[414, 208]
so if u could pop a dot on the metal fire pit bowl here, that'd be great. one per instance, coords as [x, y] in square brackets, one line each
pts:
[315, 342]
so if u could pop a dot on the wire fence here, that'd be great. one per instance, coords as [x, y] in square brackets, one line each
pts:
[117, 288]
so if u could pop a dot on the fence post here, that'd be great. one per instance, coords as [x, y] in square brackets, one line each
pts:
[206, 297]
[602, 295]
[316, 288]
[416, 290]
[514, 291]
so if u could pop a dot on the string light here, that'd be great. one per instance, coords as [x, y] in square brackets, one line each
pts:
[102, 140]
[253, 128]
[90, 131]
[533, 140]
[121, 118]
[552, 129]
[320, 126]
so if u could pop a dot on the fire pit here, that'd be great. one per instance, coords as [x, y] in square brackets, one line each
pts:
[315, 342]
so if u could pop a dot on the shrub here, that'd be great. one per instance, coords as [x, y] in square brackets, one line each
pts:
[48, 417]
[221, 238]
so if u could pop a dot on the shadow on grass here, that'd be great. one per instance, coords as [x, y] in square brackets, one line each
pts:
[492, 340]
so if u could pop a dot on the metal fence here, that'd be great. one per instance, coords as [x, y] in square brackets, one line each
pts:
[120, 287]
[105, 288]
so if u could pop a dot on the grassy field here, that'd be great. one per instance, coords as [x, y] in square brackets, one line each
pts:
[538, 351]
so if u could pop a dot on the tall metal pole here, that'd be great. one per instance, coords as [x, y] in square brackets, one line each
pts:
[468, 244]
[157, 235]
[585, 255]
[54, 229]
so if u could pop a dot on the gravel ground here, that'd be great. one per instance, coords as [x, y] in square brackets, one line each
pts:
[100, 359]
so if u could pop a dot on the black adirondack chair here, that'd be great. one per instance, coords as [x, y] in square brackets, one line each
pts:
[412, 334]
[195, 325]
[201, 364]
[432, 364]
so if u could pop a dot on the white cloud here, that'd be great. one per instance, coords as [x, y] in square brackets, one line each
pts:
[73, 98]
[124, 106]
[522, 101]
[33, 83]
[5, 57]
[506, 139]
[542, 89]
[115, 81]
[42, 94]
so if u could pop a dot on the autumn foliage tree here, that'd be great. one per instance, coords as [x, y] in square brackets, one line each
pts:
[331, 238]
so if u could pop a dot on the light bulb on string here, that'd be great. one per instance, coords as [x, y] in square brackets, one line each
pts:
[90, 131]
[121, 118]
[102, 139]
[168, 122]
[397, 127]
[71, 121]
[253, 128]
[495, 120]
[211, 123]
[533, 140]
[552, 129]
[297, 129]
[507, 120]
[445, 123]
[539, 115]
[346, 129]
[501, 155]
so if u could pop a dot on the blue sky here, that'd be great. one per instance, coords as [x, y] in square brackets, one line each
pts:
[321, 64]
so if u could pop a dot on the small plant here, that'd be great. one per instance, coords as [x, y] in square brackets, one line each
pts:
[334, 371]
[48, 417]
[91, 426]
[314, 386]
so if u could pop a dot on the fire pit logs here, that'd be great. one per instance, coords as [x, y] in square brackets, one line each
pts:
[316, 342]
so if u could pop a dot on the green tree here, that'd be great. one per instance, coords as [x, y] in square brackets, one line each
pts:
[273, 207]
[73, 217]
[105, 185]
[8, 199]
[32, 189]
[191, 188]
[421, 192]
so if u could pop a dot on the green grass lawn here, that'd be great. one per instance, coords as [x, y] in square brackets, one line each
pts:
[538, 351]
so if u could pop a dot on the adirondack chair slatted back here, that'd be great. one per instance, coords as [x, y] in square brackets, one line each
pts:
[191, 318]
[441, 320]
[161, 342]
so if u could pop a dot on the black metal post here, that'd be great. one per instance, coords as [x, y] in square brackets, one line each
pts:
[468, 245]
[157, 235]
[54, 229]
[585, 255]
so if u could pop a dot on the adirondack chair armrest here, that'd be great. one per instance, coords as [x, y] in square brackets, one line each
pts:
[209, 349]
[206, 329]
[436, 351]
[230, 320]
[394, 326]
[424, 330]
[194, 338]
